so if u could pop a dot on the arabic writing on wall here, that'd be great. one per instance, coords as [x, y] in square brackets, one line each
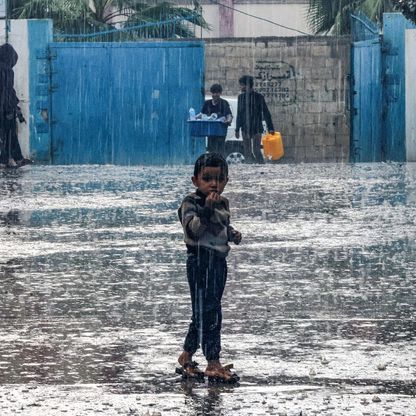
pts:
[276, 81]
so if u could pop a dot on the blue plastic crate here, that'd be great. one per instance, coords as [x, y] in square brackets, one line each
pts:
[201, 128]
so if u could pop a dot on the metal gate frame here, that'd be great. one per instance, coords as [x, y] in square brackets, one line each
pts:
[394, 85]
[124, 103]
[378, 72]
[366, 91]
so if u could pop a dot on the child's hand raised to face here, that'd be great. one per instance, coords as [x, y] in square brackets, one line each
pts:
[212, 199]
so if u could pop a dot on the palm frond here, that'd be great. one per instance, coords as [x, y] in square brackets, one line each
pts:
[374, 9]
[92, 16]
[180, 21]
[333, 16]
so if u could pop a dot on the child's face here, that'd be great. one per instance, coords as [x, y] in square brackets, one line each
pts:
[210, 179]
[216, 96]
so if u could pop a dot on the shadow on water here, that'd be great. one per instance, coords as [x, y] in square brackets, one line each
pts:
[189, 387]
[93, 290]
[199, 398]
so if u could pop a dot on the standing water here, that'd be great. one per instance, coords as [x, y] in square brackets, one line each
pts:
[318, 314]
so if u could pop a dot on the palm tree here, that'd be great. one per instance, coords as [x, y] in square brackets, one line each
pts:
[122, 20]
[333, 16]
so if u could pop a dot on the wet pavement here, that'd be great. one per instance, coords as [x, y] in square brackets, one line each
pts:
[318, 313]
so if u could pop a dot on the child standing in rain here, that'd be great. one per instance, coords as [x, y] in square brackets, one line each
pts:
[205, 217]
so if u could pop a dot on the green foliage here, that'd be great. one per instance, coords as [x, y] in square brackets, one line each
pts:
[407, 7]
[333, 16]
[84, 16]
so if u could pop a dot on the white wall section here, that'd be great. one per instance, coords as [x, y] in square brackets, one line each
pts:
[289, 15]
[18, 38]
[411, 95]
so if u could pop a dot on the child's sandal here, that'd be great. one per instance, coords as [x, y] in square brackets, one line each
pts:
[223, 375]
[190, 371]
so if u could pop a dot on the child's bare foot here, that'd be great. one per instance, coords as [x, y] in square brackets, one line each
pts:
[185, 358]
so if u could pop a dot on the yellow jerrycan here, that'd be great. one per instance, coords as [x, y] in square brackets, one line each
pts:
[272, 146]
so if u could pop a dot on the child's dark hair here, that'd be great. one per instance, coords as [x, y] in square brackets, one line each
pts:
[246, 80]
[211, 160]
[216, 88]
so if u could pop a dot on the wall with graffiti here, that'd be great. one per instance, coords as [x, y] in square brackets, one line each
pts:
[305, 81]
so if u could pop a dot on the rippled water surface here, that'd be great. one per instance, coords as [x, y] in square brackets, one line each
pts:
[319, 309]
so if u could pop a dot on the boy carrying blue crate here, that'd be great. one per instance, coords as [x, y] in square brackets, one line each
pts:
[222, 109]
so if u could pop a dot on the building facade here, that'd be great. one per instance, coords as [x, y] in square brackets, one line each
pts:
[254, 18]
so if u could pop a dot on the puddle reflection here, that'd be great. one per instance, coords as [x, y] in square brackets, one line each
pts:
[93, 287]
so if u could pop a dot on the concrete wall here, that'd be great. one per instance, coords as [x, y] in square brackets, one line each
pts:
[18, 38]
[3, 8]
[411, 95]
[305, 83]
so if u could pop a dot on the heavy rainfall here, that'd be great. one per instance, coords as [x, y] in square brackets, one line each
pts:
[319, 307]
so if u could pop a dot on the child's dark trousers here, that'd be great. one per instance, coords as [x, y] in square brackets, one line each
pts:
[207, 274]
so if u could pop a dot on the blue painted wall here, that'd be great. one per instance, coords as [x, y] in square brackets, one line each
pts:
[362, 27]
[125, 103]
[366, 91]
[39, 36]
[394, 97]
[378, 90]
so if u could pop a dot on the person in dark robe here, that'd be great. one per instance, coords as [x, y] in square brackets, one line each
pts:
[251, 111]
[10, 151]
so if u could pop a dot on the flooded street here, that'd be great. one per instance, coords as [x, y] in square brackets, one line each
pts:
[318, 312]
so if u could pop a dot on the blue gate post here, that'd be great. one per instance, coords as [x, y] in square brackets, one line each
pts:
[366, 91]
[39, 36]
[394, 102]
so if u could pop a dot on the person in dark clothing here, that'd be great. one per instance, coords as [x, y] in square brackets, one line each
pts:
[205, 218]
[222, 109]
[10, 152]
[251, 111]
